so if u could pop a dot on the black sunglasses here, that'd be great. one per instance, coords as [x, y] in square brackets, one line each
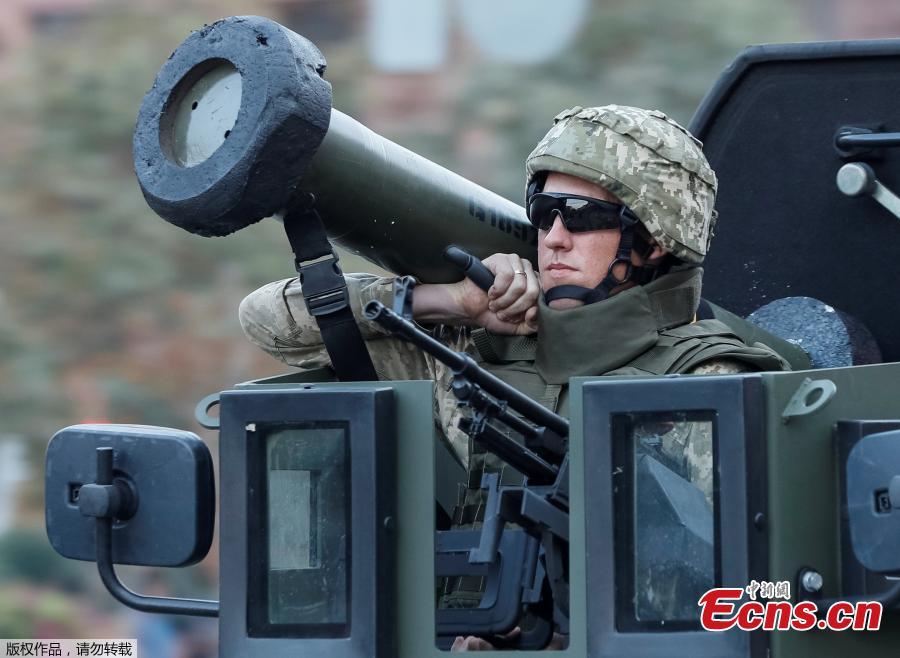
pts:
[578, 213]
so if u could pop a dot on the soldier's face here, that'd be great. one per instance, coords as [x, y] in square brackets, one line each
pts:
[580, 259]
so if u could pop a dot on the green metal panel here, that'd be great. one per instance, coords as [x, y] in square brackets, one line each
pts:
[804, 505]
[415, 514]
[417, 436]
[803, 514]
[578, 622]
[416, 446]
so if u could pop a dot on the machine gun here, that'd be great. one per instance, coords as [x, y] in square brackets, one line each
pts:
[517, 563]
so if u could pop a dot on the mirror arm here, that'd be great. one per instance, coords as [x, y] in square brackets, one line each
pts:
[105, 566]
[193, 607]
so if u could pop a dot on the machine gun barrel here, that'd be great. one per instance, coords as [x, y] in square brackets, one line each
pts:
[521, 459]
[542, 447]
[463, 364]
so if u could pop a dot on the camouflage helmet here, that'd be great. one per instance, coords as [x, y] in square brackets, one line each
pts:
[654, 165]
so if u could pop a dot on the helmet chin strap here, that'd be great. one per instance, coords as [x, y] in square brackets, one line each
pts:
[640, 274]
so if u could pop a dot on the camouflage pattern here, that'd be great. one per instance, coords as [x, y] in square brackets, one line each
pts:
[275, 319]
[688, 445]
[720, 367]
[654, 165]
[691, 443]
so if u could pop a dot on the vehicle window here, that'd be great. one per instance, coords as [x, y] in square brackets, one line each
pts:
[308, 525]
[665, 498]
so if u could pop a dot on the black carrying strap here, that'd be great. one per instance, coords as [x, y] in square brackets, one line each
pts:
[325, 293]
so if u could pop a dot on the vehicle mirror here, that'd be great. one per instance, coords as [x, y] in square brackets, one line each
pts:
[166, 475]
[873, 501]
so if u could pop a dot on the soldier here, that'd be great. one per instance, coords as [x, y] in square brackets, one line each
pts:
[623, 202]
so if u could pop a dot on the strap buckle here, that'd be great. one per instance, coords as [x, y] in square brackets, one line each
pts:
[403, 296]
[324, 288]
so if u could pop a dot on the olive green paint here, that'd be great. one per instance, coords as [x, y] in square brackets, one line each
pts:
[415, 522]
[403, 210]
[804, 505]
[802, 520]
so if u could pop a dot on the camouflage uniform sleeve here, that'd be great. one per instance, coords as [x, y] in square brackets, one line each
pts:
[692, 442]
[275, 319]
[721, 367]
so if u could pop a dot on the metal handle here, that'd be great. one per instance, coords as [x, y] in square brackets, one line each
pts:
[852, 140]
[811, 396]
[201, 412]
[474, 269]
[858, 179]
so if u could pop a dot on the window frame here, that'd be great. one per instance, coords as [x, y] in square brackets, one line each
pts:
[739, 406]
[369, 415]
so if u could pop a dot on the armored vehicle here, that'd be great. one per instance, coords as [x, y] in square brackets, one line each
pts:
[334, 490]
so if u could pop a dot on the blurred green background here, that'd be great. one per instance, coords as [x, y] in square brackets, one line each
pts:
[107, 313]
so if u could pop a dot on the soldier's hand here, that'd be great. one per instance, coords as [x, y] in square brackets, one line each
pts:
[472, 643]
[510, 306]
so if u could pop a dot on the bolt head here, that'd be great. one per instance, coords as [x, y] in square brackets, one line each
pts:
[812, 581]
